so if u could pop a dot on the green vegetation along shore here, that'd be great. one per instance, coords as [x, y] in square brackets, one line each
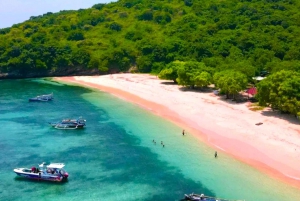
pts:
[197, 41]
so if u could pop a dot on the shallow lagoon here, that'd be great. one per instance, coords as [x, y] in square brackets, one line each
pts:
[114, 157]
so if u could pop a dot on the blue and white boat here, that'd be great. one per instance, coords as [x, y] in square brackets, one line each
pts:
[197, 197]
[69, 123]
[42, 98]
[51, 172]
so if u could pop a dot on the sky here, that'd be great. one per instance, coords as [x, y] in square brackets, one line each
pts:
[17, 11]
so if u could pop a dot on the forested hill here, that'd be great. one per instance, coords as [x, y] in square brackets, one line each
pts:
[146, 35]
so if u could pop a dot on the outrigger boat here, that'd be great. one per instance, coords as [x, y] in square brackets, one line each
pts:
[69, 123]
[42, 98]
[51, 172]
[197, 197]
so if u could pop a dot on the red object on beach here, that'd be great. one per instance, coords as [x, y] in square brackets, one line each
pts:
[252, 91]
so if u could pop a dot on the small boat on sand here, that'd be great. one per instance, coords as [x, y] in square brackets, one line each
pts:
[51, 172]
[69, 123]
[42, 98]
[197, 197]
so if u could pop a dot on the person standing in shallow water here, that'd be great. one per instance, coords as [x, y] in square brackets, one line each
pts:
[183, 132]
[216, 154]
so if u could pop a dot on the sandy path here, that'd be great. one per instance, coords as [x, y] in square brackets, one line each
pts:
[273, 147]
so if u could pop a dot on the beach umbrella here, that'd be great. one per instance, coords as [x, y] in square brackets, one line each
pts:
[252, 91]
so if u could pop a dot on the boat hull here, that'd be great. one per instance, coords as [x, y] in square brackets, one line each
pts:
[64, 126]
[38, 100]
[41, 176]
[69, 124]
[197, 197]
[42, 98]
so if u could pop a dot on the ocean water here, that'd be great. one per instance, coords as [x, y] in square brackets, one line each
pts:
[114, 157]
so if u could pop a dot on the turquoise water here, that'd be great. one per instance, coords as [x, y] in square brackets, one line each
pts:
[114, 157]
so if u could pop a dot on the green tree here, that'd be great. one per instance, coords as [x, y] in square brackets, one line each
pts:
[98, 6]
[230, 82]
[76, 35]
[203, 79]
[194, 73]
[281, 91]
[94, 63]
[115, 26]
[170, 72]
[146, 15]
[144, 64]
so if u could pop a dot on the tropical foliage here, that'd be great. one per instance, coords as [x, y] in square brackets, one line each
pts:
[192, 42]
[247, 36]
[230, 81]
[281, 91]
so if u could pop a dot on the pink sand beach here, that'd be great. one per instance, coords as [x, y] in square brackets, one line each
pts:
[272, 147]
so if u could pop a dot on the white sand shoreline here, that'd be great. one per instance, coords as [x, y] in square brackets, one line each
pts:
[273, 146]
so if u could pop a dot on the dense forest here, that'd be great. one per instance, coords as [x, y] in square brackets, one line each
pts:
[193, 42]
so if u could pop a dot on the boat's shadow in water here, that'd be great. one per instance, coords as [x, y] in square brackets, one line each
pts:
[22, 179]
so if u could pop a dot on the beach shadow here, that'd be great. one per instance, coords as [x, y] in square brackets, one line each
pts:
[277, 114]
[168, 83]
[197, 89]
[239, 100]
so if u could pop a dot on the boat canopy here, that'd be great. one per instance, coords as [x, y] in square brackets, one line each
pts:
[56, 165]
[52, 165]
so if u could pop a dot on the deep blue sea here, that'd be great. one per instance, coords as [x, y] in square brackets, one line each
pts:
[114, 157]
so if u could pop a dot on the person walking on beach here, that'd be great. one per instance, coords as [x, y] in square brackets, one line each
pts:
[216, 154]
[183, 132]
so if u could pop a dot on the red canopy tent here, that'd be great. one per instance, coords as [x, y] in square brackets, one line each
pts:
[252, 91]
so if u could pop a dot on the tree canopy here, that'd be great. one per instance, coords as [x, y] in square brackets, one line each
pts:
[247, 36]
[281, 91]
[192, 42]
[193, 73]
[230, 81]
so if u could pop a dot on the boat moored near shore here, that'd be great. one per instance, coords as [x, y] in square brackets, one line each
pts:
[51, 172]
[42, 98]
[69, 123]
[199, 197]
